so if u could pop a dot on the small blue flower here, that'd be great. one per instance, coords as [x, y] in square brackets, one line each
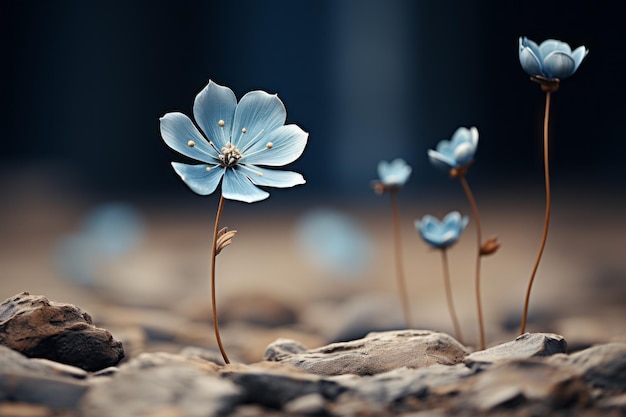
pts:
[238, 137]
[441, 234]
[458, 151]
[552, 59]
[394, 173]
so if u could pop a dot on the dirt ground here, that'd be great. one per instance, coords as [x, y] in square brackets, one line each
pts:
[579, 292]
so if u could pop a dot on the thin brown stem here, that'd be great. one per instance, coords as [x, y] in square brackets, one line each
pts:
[446, 281]
[213, 256]
[404, 297]
[546, 224]
[472, 202]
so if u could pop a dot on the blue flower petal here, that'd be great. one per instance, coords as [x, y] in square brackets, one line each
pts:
[524, 42]
[396, 172]
[530, 62]
[445, 147]
[441, 234]
[578, 55]
[271, 177]
[552, 59]
[430, 230]
[552, 45]
[464, 135]
[213, 105]
[279, 147]
[455, 222]
[464, 153]
[440, 160]
[180, 134]
[259, 113]
[558, 65]
[198, 178]
[237, 186]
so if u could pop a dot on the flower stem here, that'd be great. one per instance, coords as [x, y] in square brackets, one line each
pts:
[446, 281]
[213, 256]
[546, 168]
[404, 298]
[479, 239]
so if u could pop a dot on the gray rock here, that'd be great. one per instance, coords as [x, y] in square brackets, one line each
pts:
[162, 384]
[374, 354]
[527, 345]
[307, 405]
[14, 362]
[401, 383]
[39, 382]
[275, 384]
[602, 366]
[520, 382]
[40, 328]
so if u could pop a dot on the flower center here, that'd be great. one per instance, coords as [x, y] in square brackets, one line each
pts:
[230, 155]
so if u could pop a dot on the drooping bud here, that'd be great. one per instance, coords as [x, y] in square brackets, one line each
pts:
[489, 246]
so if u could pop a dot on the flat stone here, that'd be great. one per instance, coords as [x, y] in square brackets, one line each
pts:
[39, 382]
[275, 384]
[401, 383]
[602, 366]
[63, 333]
[527, 345]
[374, 354]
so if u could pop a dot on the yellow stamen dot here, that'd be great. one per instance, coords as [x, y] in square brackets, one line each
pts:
[269, 145]
[208, 169]
[243, 130]
[260, 174]
[221, 123]
[191, 143]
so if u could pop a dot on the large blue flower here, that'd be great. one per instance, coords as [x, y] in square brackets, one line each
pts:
[458, 151]
[552, 59]
[441, 234]
[238, 137]
[394, 173]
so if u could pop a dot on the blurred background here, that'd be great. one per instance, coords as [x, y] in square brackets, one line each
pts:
[92, 213]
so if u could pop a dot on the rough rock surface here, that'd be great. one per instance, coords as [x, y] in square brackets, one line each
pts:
[587, 383]
[396, 373]
[525, 346]
[376, 353]
[39, 328]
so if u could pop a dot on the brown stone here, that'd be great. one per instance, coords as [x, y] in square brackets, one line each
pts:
[40, 328]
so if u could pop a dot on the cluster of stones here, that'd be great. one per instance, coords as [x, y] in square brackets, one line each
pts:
[386, 373]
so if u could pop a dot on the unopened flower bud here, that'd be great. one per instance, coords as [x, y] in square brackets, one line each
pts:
[489, 246]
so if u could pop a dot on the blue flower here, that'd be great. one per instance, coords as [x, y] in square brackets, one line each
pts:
[238, 137]
[458, 151]
[552, 59]
[441, 234]
[394, 173]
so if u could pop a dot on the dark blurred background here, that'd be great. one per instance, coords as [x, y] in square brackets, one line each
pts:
[85, 82]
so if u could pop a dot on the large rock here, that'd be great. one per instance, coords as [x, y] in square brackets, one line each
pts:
[374, 354]
[39, 328]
